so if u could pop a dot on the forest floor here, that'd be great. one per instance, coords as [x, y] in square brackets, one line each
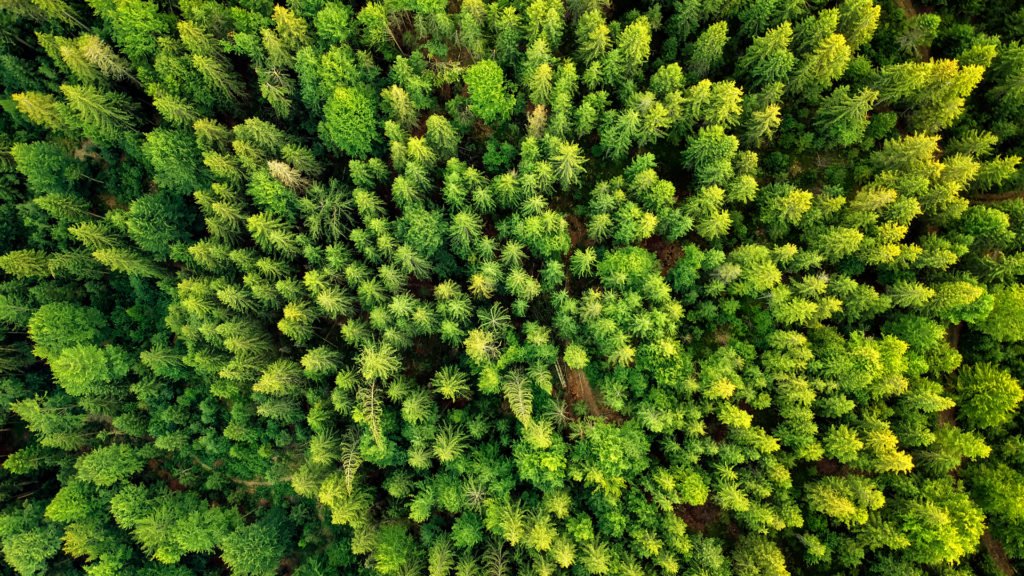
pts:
[908, 8]
[578, 389]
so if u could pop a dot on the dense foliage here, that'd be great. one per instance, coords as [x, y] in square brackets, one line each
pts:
[704, 287]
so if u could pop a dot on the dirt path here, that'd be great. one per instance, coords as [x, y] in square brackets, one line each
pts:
[578, 389]
[998, 554]
[1011, 195]
[908, 8]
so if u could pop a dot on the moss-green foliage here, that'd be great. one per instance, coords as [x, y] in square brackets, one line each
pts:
[521, 287]
[349, 125]
[485, 84]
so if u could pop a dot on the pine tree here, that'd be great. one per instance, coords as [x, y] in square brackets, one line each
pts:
[42, 109]
[986, 395]
[635, 43]
[768, 58]
[707, 52]
[593, 36]
[252, 550]
[844, 118]
[350, 123]
[102, 115]
[822, 66]
[858, 21]
[25, 263]
[128, 262]
[709, 154]
[488, 99]
[108, 465]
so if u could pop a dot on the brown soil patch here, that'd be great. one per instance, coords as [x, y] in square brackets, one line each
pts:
[997, 554]
[577, 230]
[828, 467]
[172, 482]
[110, 202]
[667, 252]
[86, 151]
[715, 429]
[482, 131]
[953, 335]
[699, 518]
[908, 8]
[578, 389]
[669, 255]
[946, 417]
[1001, 197]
